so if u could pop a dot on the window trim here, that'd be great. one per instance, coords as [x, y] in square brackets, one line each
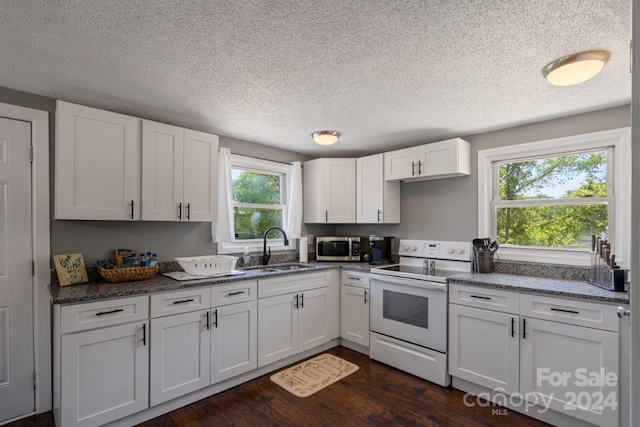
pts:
[617, 139]
[255, 245]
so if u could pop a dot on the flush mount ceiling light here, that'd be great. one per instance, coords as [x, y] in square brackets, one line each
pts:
[325, 137]
[576, 68]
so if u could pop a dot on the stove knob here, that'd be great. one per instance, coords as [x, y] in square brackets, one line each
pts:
[460, 251]
[450, 250]
[405, 248]
[414, 248]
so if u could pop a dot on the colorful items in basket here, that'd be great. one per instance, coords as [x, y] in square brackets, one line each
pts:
[126, 258]
[128, 268]
[148, 259]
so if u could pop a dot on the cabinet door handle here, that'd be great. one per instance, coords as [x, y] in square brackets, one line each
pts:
[301, 300]
[326, 216]
[354, 278]
[182, 301]
[235, 293]
[379, 212]
[206, 320]
[513, 327]
[144, 334]
[365, 296]
[564, 311]
[479, 297]
[188, 211]
[132, 209]
[419, 167]
[102, 313]
[180, 210]
[524, 328]
[215, 318]
[297, 301]
[413, 168]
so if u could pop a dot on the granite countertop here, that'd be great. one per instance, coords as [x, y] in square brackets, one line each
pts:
[539, 285]
[99, 289]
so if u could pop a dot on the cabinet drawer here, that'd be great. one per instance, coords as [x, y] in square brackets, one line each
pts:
[580, 313]
[292, 283]
[232, 293]
[80, 317]
[355, 278]
[487, 298]
[180, 301]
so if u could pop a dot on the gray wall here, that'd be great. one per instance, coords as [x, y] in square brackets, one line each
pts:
[443, 209]
[447, 209]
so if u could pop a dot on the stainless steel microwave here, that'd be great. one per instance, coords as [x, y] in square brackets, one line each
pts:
[338, 248]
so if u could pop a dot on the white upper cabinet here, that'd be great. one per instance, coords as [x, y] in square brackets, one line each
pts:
[200, 175]
[162, 171]
[97, 164]
[430, 161]
[179, 173]
[330, 191]
[378, 201]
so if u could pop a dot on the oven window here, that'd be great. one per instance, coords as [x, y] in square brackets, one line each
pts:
[340, 249]
[406, 308]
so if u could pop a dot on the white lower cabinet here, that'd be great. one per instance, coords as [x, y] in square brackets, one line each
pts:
[484, 347]
[574, 368]
[354, 314]
[557, 364]
[291, 323]
[180, 355]
[234, 340]
[104, 374]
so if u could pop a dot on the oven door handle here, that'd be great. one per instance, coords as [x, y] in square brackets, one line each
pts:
[410, 282]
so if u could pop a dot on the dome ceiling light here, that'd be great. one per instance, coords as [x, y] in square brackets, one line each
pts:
[576, 68]
[325, 137]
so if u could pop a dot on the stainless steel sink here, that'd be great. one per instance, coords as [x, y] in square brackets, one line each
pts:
[276, 268]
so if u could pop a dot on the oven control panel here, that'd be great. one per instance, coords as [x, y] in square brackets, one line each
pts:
[457, 251]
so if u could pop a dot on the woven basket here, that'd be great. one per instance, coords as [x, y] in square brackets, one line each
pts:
[131, 274]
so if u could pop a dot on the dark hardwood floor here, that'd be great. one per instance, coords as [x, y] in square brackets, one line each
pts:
[374, 395]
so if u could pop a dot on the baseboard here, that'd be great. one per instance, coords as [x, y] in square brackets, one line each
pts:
[190, 398]
[354, 346]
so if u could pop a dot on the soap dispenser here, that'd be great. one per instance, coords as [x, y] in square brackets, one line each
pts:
[246, 256]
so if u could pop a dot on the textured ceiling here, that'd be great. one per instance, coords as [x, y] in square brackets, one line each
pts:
[385, 73]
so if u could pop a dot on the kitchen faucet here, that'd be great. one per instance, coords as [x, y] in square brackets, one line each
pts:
[266, 255]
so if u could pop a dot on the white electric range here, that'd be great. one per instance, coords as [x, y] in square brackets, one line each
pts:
[409, 307]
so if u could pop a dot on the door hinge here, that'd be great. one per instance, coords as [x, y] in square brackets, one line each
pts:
[31, 154]
[33, 267]
[34, 379]
[631, 56]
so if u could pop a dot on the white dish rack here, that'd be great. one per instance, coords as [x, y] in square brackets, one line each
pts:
[207, 265]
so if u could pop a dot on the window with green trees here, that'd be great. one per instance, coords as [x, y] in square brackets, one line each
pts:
[258, 202]
[556, 202]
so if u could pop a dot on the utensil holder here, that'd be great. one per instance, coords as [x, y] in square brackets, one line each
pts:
[483, 261]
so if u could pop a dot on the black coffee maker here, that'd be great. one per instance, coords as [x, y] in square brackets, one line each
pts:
[379, 250]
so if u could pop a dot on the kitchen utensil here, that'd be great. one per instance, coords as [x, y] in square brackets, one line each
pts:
[479, 243]
[494, 246]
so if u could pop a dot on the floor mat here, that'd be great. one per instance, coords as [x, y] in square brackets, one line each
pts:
[313, 375]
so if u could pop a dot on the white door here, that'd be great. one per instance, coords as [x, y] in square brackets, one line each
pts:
[277, 328]
[16, 316]
[400, 164]
[104, 374]
[162, 171]
[551, 351]
[484, 348]
[179, 355]
[97, 164]
[200, 175]
[370, 189]
[354, 318]
[339, 190]
[234, 340]
[312, 319]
